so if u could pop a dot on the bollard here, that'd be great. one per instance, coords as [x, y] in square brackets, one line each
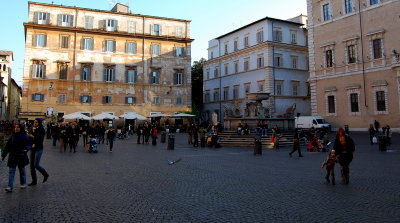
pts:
[257, 146]
[171, 142]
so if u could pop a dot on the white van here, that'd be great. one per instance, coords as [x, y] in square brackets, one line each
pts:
[307, 122]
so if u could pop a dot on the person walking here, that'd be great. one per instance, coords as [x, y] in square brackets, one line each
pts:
[190, 134]
[146, 133]
[371, 132]
[296, 144]
[344, 147]
[195, 132]
[202, 132]
[16, 148]
[37, 136]
[64, 137]
[329, 164]
[85, 131]
[73, 136]
[154, 135]
[111, 137]
[55, 133]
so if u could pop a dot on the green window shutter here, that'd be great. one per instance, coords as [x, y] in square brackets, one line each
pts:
[105, 74]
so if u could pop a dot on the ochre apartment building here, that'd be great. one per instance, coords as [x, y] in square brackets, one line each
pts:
[354, 61]
[94, 61]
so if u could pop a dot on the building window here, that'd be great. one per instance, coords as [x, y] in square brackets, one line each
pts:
[131, 47]
[260, 36]
[279, 87]
[348, 6]
[109, 74]
[260, 62]
[107, 100]
[246, 41]
[42, 18]
[131, 27]
[37, 97]
[354, 102]
[226, 69]
[278, 35]
[61, 98]
[89, 22]
[178, 78]
[328, 58]
[247, 88]
[278, 60]
[155, 77]
[294, 62]
[179, 101]
[208, 74]
[65, 20]
[236, 67]
[212, 55]
[295, 88]
[86, 73]
[235, 45]
[246, 64]
[40, 40]
[111, 25]
[62, 70]
[216, 94]
[207, 96]
[331, 104]
[109, 45]
[293, 37]
[380, 101]
[226, 93]
[38, 70]
[155, 49]
[216, 72]
[86, 99]
[373, 2]
[87, 44]
[179, 51]
[155, 30]
[326, 12]
[64, 42]
[351, 53]
[156, 100]
[179, 32]
[377, 48]
[260, 86]
[130, 100]
[226, 48]
[131, 76]
[236, 92]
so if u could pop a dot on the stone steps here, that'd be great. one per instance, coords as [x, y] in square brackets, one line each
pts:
[231, 139]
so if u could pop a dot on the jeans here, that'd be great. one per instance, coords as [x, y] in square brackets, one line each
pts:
[264, 132]
[85, 139]
[22, 176]
[35, 157]
[54, 140]
[111, 143]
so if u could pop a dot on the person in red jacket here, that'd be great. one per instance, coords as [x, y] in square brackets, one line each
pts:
[154, 135]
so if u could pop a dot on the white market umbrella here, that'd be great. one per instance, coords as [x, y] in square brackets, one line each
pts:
[159, 115]
[76, 115]
[133, 115]
[183, 115]
[104, 116]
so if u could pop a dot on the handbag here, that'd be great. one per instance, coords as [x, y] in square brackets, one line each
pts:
[374, 139]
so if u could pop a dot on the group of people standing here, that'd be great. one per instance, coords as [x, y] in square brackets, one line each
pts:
[376, 131]
[22, 141]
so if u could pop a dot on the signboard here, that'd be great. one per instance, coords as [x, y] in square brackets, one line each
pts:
[32, 114]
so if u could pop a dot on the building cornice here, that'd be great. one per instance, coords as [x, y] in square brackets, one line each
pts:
[104, 11]
[106, 33]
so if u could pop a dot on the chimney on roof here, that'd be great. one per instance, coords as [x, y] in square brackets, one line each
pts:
[120, 8]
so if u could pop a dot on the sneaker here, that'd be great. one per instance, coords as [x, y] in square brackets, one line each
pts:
[8, 189]
[23, 186]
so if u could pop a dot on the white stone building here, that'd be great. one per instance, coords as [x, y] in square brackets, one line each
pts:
[267, 56]
[6, 59]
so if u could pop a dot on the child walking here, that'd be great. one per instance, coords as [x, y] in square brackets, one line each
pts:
[329, 164]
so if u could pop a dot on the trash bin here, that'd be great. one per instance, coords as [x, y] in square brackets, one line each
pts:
[346, 129]
[163, 136]
[257, 146]
[171, 142]
[382, 143]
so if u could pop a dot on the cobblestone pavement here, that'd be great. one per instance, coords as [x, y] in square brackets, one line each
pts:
[136, 184]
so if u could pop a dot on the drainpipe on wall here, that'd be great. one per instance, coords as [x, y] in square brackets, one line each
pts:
[74, 57]
[362, 55]
[273, 68]
[143, 59]
[220, 83]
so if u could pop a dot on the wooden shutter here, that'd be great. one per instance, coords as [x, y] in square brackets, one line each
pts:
[127, 76]
[126, 100]
[151, 29]
[89, 75]
[175, 78]
[113, 74]
[114, 46]
[71, 20]
[33, 97]
[44, 72]
[104, 99]
[160, 30]
[116, 25]
[59, 19]
[105, 74]
[36, 17]
[34, 39]
[102, 24]
[45, 40]
[110, 100]
[104, 45]
[41, 97]
[82, 43]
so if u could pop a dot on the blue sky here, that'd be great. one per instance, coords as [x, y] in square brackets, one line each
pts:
[210, 18]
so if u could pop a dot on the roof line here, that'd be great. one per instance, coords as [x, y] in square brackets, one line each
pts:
[105, 11]
[260, 20]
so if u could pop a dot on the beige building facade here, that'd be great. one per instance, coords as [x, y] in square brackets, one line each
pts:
[6, 61]
[95, 61]
[354, 49]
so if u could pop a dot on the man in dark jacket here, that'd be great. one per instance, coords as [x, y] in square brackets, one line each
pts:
[111, 137]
